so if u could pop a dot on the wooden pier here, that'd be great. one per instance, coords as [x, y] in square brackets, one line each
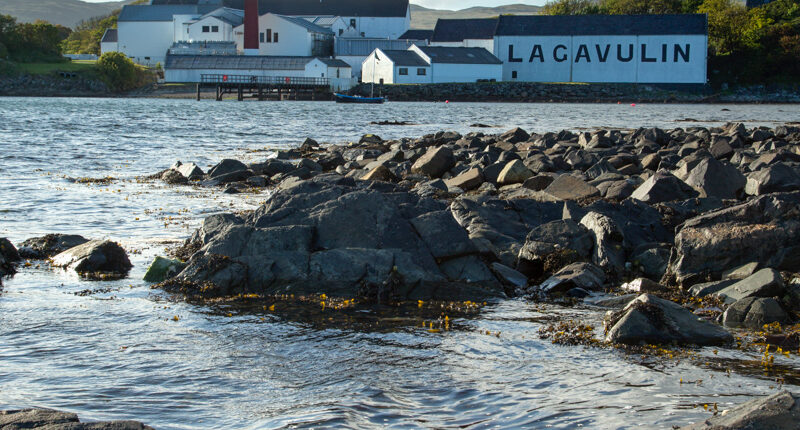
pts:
[266, 87]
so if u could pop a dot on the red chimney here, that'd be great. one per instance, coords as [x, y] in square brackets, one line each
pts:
[251, 27]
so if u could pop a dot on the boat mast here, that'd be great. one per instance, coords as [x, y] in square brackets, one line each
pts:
[372, 86]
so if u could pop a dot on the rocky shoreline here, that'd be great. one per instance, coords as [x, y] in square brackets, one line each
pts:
[52, 86]
[693, 232]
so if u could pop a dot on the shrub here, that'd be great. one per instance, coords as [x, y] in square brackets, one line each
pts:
[118, 71]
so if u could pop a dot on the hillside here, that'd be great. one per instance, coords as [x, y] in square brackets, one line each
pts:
[64, 12]
[426, 18]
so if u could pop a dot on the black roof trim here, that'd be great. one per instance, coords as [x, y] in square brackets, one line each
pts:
[596, 25]
[457, 30]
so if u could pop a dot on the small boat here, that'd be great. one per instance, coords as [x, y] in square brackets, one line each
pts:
[344, 98]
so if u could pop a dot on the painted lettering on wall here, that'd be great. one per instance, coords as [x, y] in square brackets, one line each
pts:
[601, 53]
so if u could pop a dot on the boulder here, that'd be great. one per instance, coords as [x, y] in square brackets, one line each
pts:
[764, 283]
[469, 180]
[56, 420]
[95, 257]
[444, 237]
[775, 178]
[538, 183]
[435, 162]
[608, 252]
[740, 272]
[173, 177]
[162, 269]
[754, 313]
[652, 320]
[380, 173]
[39, 248]
[226, 167]
[663, 187]
[8, 257]
[514, 172]
[515, 136]
[567, 187]
[562, 236]
[576, 275]
[273, 167]
[509, 276]
[190, 171]
[706, 288]
[780, 411]
[712, 178]
[642, 285]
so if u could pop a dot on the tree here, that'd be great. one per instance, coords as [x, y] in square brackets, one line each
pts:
[118, 71]
[87, 35]
[640, 7]
[728, 24]
[571, 7]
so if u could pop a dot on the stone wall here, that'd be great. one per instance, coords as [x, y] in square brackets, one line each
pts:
[51, 86]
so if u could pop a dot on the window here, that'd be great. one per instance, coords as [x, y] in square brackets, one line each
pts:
[341, 31]
[261, 37]
[403, 71]
[513, 74]
[337, 73]
[206, 29]
[353, 22]
[421, 72]
[215, 29]
[275, 37]
[362, 34]
[322, 75]
[269, 36]
[381, 81]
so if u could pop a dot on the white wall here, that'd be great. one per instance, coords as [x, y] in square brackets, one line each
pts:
[142, 39]
[108, 47]
[412, 77]
[372, 71]
[293, 39]
[604, 58]
[192, 76]
[195, 30]
[384, 28]
[355, 62]
[443, 72]
[179, 23]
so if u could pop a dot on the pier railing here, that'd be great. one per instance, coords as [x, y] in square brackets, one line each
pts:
[264, 80]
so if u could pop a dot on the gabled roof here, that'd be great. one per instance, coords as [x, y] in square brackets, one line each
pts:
[405, 58]
[417, 35]
[233, 17]
[457, 30]
[373, 8]
[333, 62]
[448, 55]
[236, 62]
[363, 46]
[323, 21]
[110, 36]
[309, 26]
[595, 25]
[160, 13]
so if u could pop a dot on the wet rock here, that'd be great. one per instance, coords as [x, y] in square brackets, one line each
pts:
[173, 177]
[55, 420]
[712, 178]
[469, 269]
[755, 312]
[642, 285]
[514, 172]
[652, 320]
[576, 275]
[162, 269]
[509, 276]
[190, 171]
[435, 162]
[469, 180]
[444, 237]
[663, 187]
[39, 248]
[652, 261]
[96, 257]
[8, 257]
[273, 167]
[780, 411]
[567, 187]
[775, 178]
[565, 237]
[764, 283]
[257, 181]
[616, 302]
[706, 288]
[226, 167]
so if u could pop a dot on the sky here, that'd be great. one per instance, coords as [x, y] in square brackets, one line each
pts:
[451, 4]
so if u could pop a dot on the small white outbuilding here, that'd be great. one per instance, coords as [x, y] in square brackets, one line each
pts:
[431, 64]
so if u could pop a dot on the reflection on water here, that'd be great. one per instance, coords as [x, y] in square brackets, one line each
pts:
[127, 351]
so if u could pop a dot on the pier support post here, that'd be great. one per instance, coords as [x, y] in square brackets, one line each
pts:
[241, 93]
[198, 92]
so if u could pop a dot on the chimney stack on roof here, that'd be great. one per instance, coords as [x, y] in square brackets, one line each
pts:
[251, 27]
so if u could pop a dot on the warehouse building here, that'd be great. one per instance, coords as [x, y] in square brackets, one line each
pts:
[431, 64]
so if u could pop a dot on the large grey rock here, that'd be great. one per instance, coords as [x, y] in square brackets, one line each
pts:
[95, 257]
[775, 178]
[712, 178]
[780, 411]
[509, 276]
[435, 162]
[515, 172]
[562, 236]
[174, 177]
[567, 187]
[609, 251]
[764, 283]
[706, 288]
[444, 237]
[226, 167]
[273, 167]
[48, 419]
[515, 136]
[663, 187]
[469, 269]
[576, 275]
[469, 180]
[39, 248]
[163, 268]
[649, 319]
[8, 257]
[190, 171]
[764, 231]
[755, 312]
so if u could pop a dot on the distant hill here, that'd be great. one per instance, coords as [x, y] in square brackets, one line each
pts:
[64, 12]
[425, 18]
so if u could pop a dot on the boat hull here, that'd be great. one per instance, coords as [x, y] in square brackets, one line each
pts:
[343, 98]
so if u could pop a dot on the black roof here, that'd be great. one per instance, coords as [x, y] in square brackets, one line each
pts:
[417, 35]
[458, 55]
[594, 25]
[405, 58]
[457, 30]
[376, 8]
[110, 36]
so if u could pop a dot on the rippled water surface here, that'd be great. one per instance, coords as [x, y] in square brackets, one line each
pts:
[118, 352]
